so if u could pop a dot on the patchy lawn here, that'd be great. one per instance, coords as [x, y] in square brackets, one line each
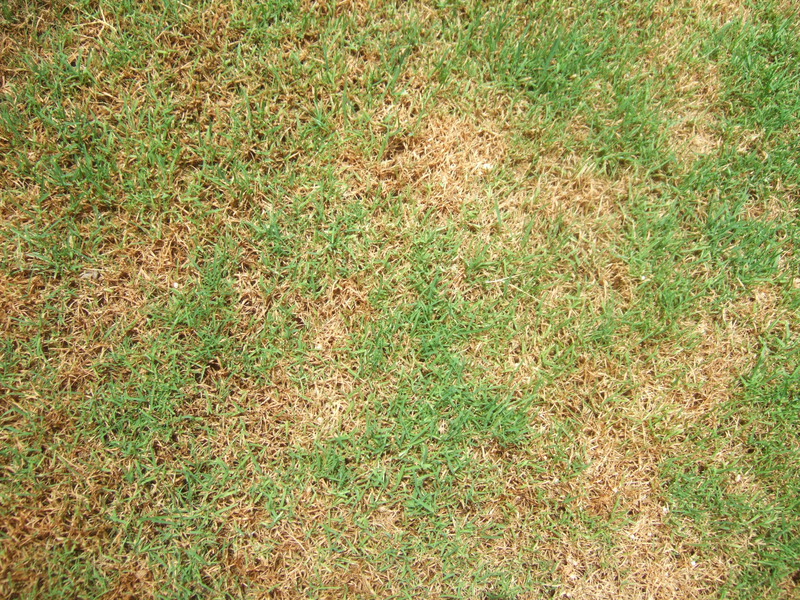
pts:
[401, 300]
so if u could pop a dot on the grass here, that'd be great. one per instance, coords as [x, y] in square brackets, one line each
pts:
[401, 300]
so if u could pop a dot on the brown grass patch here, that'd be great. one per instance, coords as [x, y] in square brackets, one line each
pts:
[569, 188]
[632, 417]
[444, 162]
[29, 21]
[781, 206]
[588, 207]
[695, 132]
[620, 485]
[695, 136]
[297, 554]
[721, 11]
[315, 397]
[64, 512]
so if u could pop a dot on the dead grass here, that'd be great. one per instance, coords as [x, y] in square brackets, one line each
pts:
[623, 412]
[444, 159]
[696, 132]
[722, 11]
[695, 137]
[19, 34]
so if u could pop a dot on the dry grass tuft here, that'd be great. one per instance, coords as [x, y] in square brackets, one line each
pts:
[21, 28]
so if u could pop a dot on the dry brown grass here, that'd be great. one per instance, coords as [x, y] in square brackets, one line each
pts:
[444, 160]
[632, 418]
[695, 132]
[694, 136]
[30, 21]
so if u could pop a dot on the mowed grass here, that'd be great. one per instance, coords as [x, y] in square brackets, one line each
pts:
[493, 300]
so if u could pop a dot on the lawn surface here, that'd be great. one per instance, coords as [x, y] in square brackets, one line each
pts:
[400, 300]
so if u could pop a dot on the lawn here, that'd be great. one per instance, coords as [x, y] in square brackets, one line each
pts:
[414, 300]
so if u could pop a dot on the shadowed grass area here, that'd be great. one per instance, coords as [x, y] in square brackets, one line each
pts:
[403, 300]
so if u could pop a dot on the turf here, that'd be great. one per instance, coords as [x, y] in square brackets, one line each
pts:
[356, 299]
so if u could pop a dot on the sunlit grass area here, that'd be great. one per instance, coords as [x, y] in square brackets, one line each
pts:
[492, 300]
